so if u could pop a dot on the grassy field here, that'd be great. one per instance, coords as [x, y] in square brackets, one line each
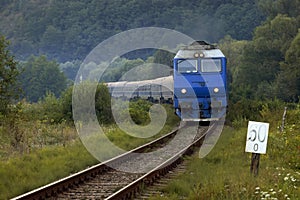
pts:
[22, 172]
[225, 172]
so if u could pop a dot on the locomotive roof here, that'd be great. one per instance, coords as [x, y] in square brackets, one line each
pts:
[209, 51]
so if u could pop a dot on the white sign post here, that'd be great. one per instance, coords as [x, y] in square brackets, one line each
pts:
[256, 142]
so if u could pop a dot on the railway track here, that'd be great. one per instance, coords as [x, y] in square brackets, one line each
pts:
[114, 179]
[156, 188]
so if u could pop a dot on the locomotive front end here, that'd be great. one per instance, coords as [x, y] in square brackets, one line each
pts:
[200, 83]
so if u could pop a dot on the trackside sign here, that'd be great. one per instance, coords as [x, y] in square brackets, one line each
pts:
[257, 137]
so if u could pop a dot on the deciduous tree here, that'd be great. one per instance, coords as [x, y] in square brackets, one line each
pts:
[8, 76]
[41, 76]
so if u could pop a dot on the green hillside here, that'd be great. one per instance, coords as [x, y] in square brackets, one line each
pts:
[68, 30]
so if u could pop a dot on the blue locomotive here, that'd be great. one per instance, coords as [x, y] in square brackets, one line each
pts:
[200, 82]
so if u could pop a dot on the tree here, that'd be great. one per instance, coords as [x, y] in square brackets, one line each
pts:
[288, 81]
[68, 30]
[272, 8]
[262, 56]
[41, 76]
[163, 57]
[84, 102]
[103, 104]
[8, 76]
[233, 49]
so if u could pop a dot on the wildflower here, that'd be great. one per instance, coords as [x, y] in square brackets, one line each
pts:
[257, 188]
[263, 193]
[280, 190]
[293, 179]
[286, 178]
[271, 190]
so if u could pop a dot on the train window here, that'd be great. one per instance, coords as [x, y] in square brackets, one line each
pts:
[187, 66]
[211, 65]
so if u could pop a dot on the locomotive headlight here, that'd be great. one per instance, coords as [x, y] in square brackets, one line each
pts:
[183, 91]
[198, 54]
[216, 90]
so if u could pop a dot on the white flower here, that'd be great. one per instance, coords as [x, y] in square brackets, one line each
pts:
[257, 188]
[263, 193]
[286, 178]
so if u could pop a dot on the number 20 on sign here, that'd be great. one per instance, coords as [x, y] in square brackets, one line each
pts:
[257, 137]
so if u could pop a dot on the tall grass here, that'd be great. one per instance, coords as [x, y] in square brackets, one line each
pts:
[23, 173]
[225, 172]
[55, 152]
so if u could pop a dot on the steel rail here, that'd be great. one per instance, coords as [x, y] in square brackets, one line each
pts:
[131, 189]
[56, 187]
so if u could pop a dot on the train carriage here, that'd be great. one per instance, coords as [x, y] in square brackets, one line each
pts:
[157, 90]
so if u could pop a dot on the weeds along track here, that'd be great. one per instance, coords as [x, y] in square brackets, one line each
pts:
[124, 176]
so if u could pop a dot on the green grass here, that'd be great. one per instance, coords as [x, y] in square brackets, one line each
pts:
[26, 172]
[225, 172]
[23, 172]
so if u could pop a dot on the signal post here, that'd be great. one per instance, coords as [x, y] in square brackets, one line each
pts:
[256, 143]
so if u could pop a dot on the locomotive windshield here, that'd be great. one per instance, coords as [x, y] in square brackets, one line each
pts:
[202, 65]
[187, 66]
[210, 65]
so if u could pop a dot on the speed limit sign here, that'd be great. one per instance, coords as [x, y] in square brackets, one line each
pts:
[257, 137]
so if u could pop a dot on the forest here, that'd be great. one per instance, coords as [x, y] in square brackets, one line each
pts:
[262, 64]
[68, 30]
[43, 43]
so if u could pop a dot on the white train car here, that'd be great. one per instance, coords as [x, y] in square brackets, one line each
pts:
[155, 90]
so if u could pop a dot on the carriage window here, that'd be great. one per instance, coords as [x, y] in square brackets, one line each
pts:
[187, 66]
[211, 65]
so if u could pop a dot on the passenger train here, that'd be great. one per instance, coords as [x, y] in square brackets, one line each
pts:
[197, 88]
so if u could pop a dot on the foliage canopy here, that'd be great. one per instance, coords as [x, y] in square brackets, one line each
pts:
[40, 76]
[8, 76]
